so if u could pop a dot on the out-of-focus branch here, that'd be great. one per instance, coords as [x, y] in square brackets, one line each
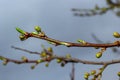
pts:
[111, 6]
[17, 48]
[72, 75]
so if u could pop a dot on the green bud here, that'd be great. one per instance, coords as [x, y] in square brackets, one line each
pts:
[22, 37]
[43, 54]
[93, 72]
[98, 55]
[39, 61]
[81, 41]
[86, 77]
[47, 64]
[87, 74]
[50, 49]
[116, 35]
[37, 28]
[24, 58]
[118, 74]
[59, 60]
[20, 30]
[68, 56]
[62, 64]
[32, 67]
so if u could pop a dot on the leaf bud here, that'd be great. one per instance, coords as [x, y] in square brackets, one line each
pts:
[59, 60]
[63, 63]
[81, 41]
[47, 64]
[24, 58]
[32, 67]
[49, 49]
[39, 61]
[68, 56]
[116, 35]
[37, 28]
[93, 72]
[43, 54]
[118, 74]
[22, 37]
[98, 55]
[86, 75]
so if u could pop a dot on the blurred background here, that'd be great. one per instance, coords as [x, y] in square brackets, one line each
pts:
[58, 21]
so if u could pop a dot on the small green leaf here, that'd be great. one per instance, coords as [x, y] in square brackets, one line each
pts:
[34, 33]
[20, 30]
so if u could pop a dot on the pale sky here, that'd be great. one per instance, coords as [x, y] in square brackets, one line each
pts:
[57, 21]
